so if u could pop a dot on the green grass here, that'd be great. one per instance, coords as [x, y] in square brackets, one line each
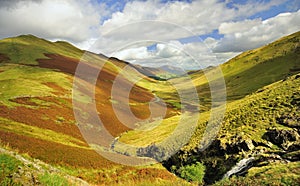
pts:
[40, 133]
[143, 135]
[25, 49]
[193, 172]
[15, 81]
[249, 71]
[8, 166]
[53, 180]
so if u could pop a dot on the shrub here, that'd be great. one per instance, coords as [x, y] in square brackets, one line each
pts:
[194, 172]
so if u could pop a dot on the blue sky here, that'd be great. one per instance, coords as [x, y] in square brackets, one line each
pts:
[187, 34]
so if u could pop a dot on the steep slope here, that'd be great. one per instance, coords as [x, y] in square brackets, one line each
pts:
[243, 75]
[36, 115]
[251, 70]
[257, 112]
[261, 130]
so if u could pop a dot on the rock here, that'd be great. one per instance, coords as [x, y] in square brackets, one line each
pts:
[284, 138]
[238, 144]
[294, 146]
[292, 121]
[152, 151]
[214, 149]
[292, 156]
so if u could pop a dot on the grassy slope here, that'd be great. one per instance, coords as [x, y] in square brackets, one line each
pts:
[253, 108]
[251, 70]
[248, 119]
[240, 76]
[248, 76]
[243, 75]
[251, 116]
[36, 108]
[256, 68]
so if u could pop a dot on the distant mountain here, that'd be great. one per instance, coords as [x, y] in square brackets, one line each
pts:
[147, 71]
[173, 70]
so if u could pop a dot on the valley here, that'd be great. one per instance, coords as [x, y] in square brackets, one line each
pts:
[175, 129]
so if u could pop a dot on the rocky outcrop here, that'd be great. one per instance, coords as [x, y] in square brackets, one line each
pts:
[152, 151]
[238, 144]
[235, 155]
[289, 120]
[287, 139]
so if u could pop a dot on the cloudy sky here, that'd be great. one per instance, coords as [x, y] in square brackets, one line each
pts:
[187, 34]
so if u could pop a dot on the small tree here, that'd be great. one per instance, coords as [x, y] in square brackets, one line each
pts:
[194, 172]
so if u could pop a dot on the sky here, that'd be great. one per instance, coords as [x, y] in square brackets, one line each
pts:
[186, 34]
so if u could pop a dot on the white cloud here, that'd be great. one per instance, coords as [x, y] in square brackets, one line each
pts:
[52, 19]
[257, 32]
[127, 33]
[133, 54]
[186, 56]
[163, 22]
[242, 26]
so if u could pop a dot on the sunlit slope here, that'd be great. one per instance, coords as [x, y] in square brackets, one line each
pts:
[251, 70]
[243, 75]
[36, 115]
[263, 125]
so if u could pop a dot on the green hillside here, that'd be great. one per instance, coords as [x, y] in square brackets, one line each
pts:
[36, 112]
[263, 96]
[241, 79]
[251, 70]
[260, 129]
[265, 126]
[262, 126]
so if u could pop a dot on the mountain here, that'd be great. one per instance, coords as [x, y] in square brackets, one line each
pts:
[261, 112]
[249, 71]
[48, 106]
[37, 118]
[154, 73]
[173, 70]
[259, 135]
